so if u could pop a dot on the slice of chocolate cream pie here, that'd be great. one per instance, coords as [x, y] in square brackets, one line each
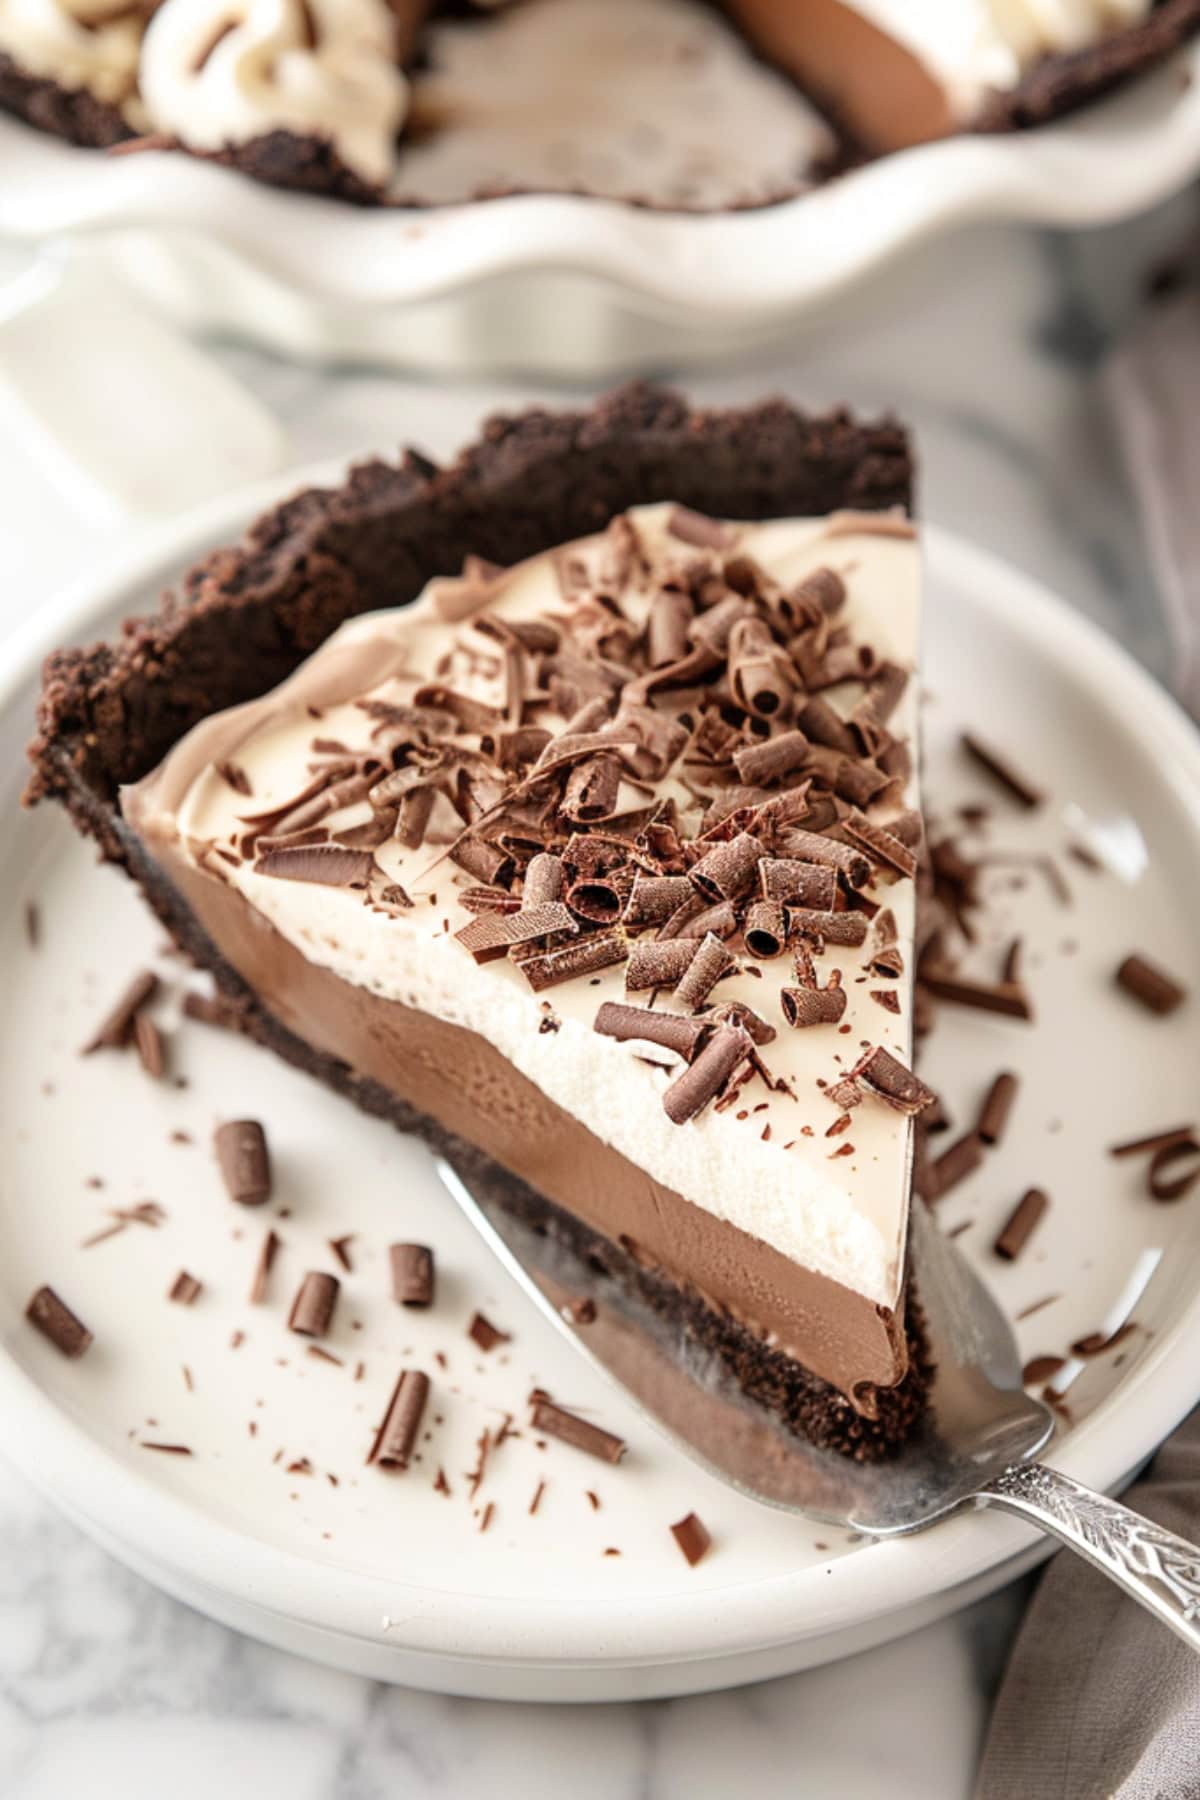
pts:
[601, 865]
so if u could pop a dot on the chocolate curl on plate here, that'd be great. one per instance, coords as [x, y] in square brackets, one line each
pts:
[591, 790]
[645, 1025]
[728, 869]
[397, 1435]
[797, 883]
[658, 964]
[705, 1078]
[849, 928]
[759, 764]
[710, 961]
[880, 1072]
[667, 628]
[757, 669]
[653, 898]
[543, 880]
[765, 929]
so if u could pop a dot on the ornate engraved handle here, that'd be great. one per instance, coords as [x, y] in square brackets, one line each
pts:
[1158, 1569]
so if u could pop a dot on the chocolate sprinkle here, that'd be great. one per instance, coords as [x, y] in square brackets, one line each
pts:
[569, 1428]
[397, 1435]
[1021, 1224]
[245, 1162]
[412, 1269]
[56, 1322]
[1157, 991]
[692, 1537]
[313, 1308]
[1001, 770]
[481, 1331]
[184, 1289]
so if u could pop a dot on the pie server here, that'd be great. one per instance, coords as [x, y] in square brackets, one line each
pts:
[975, 1446]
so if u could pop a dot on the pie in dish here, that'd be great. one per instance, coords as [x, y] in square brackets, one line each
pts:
[652, 100]
[561, 805]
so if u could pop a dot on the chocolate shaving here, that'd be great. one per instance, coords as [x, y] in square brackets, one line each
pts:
[486, 862]
[709, 963]
[727, 870]
[211, 1009]
[1002, 771]
[268, 1251]
[412, 818]
[340, 1246]
[117, 1029]
[394, 1441]
[1157, 991]
[644, 1024]
[692, 1536]
[412, 1269]
[481, 1331]
[554, 1421]
[490, 936]
[655, 898]
[804, 1006]
[997, 1105]
[245, 1161]
[185, 1289]
[1022, 1223]
[586, 957]
[758, 671]
[704, 1079]
[888, 998]
[328, 864]
[1165, 1188]
[880, 1072]
[721, 921]
[151, 1047]
[591, 790]
[313, 1308]
[881, 845]
[57, 1323]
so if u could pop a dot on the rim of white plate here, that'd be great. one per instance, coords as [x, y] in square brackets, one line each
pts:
[747, 269]
[93, 1484]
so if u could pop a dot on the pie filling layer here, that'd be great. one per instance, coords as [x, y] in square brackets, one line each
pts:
[606, 864]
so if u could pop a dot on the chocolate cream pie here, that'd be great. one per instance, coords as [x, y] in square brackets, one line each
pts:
[592, 856]
[653, 100]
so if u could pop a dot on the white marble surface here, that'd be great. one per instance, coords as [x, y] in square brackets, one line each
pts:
[988, 344]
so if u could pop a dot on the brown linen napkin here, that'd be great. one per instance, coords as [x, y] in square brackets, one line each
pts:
[1100, 1701]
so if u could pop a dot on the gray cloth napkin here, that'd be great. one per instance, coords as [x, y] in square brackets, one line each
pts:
[1099, 1701]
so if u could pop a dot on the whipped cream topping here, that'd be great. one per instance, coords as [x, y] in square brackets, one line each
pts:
[223, 72]
[767, 1166]
[972, 46]
[80, 44]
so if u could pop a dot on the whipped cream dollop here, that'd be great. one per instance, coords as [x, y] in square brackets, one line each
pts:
[91, 45]
[973, 46]
[223, 72]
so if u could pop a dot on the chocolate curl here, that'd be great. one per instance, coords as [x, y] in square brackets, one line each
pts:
[886, 690]
[484, 861]
[721, 1057]
[671, 615]
[879, 844]
[368, 836]
[880, 1072]
[56, 1322]
[517, 749]
[543, 880]
[736, 1012]
[689, 671]
[492, 935]
[591, 791]
[397, 1435]
[763, 763]
[601, 898]
[797, 883]
[412, 1269]
[849, 928]
[821, 593]
[811, 847]
[312, 1309]
[804, 1006]
[823, 725]
[587, 957]
[697, 528]
[728, 869]
[765, 929]
[757, 671]
[710, 961]
[645, 1025]
[713, 629]
[653, 898]
[412, 819]
[721, 920]
[468, 714]
[656, 964]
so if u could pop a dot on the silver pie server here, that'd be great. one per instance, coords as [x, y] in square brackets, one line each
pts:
[974, 1447]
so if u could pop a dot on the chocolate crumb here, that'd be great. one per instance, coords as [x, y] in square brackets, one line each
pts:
[538, 1491]
[117, 1028]
[185, 1289]
[693, 1539]
[1002, 771]
[481, 1331]
[262, 1269]
[340, 1247]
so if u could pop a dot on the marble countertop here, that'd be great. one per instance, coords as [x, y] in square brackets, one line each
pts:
[988, 344]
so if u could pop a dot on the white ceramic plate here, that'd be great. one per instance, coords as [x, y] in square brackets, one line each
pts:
[384, 1575]
[568, 285]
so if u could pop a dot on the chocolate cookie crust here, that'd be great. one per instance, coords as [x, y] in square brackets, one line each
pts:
[70, 113]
